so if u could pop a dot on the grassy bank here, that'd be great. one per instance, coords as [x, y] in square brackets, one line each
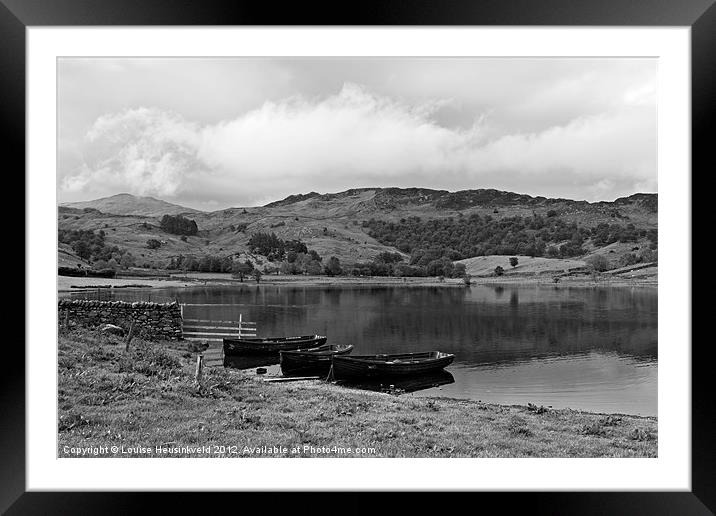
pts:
[147, 397]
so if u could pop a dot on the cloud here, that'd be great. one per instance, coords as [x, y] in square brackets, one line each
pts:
[356, 138]
[143, 151]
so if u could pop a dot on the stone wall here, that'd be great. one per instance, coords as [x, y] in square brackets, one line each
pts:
[152, 320]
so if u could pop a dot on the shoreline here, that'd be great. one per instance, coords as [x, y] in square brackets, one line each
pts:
[66, 284]
[148, 396]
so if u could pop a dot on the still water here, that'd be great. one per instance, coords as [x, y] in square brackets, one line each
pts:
[584, 348]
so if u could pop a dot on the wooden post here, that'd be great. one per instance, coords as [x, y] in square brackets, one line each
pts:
[67, 318]
[240, 318]
[199, 367]
[130, 333]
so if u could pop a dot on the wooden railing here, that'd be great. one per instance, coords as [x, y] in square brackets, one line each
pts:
[213, 329]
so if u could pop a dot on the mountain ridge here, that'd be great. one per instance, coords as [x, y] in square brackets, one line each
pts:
[129, 204]
[334, 223]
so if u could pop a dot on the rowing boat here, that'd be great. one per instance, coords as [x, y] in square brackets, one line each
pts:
[269, 345]
[402, 364]
[314, 360]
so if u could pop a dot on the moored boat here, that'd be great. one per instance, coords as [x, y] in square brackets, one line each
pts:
[313, 360]
[250, 361]
[401, 364]
[269, 345]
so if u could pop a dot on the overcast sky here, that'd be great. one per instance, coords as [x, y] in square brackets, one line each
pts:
[214, 133]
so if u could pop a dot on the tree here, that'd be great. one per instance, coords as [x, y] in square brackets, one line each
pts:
[514, 261]
[287, 268]
[499, 271]
[99, 265]
[240, 270]
[127, 261]
[459, 271]
[435, 268]
[82, 249]
[313, 268]
[333, 267]
[178, 225]
[598, 262]
[268, 245]
[205, 264]
[257, 275]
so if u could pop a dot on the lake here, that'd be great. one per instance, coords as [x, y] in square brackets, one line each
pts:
[591, 349]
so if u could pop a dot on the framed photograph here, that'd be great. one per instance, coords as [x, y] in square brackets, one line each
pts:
[423, 249]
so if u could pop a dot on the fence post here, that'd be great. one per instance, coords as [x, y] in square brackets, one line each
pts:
[199, 367]
[130, 333]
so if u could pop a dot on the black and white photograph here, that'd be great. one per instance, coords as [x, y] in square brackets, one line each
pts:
[357, 257]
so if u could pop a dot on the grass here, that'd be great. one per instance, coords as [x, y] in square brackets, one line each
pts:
[147, 398]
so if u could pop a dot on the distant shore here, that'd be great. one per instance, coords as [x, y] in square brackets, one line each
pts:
[67, 284]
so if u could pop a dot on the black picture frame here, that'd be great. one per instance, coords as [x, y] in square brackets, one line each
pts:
[700, 15]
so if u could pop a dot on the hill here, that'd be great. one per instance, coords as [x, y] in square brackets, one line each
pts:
[358, 224]
[127, 204]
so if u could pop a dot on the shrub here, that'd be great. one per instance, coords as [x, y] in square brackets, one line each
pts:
[598, 262]
[333, 267]
[499, 271]
[514, 261]
[153, 244]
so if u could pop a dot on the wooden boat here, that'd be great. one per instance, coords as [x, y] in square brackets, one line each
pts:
[313, 360]
[269, 345]
[402, 364]
[250, 361]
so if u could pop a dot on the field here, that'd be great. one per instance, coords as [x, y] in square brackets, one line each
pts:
[147, 397]
[485, 265]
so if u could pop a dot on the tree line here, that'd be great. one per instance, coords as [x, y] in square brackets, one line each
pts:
[91, 246]
[456, 238]
[392, 264]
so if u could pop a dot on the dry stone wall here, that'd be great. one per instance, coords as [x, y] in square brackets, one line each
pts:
[151, 320]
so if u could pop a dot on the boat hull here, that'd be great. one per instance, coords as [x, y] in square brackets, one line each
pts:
[311, 361]
[386, 366]
[268, 346]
